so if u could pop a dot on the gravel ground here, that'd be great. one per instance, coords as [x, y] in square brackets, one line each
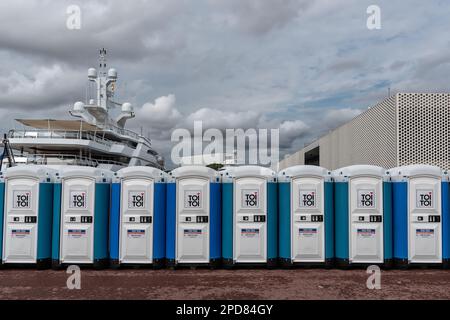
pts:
[225, 284]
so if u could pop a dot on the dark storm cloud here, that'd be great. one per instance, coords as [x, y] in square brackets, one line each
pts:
[298, 65]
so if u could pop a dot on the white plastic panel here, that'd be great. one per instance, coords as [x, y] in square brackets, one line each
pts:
[307, 220]
[366, 220]
[192, 244]
[424, 203]
[136, 220]
[20, 233]
[250, 219]
[77, 220]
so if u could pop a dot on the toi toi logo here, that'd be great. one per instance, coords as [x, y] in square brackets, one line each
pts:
[138, 201]
[251, 199]
[366, 199]
[308, 199]
[425, 199]
[194, 200]
[79, 200]
[23, 200]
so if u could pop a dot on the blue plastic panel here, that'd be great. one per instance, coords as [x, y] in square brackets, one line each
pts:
[400, 219]
[341, 219]
[45, 221]
[387, 220]
[101, 225]
[272, 220]
[284, 223]
[159, 221]
[215, 237]
[114, 221]
[227, 220]
[56, 221]
[329, 219]
[171, 220]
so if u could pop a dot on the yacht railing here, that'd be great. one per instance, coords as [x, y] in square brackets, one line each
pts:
[126, 132]
[69, 159]
[59, 134]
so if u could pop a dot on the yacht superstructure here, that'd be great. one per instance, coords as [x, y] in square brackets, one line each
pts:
[94, 138]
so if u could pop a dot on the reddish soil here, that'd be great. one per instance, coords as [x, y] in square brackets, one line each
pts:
[225, 284]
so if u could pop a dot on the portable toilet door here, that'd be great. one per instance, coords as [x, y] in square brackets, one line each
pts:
[138, 217]
[193, 221]
[363, 216]
[27, 216]
[2, 214]
[306, 226]
[80, 219]
[249, 232]
[421, 215]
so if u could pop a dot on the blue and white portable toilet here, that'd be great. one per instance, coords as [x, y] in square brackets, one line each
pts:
[193, 217]
[306, 217]
[249, 216]
[138, 217]
[80, 217]
[421, 215]
[26, 216]
[363, 216]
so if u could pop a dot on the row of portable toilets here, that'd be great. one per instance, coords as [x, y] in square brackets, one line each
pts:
[249, 215]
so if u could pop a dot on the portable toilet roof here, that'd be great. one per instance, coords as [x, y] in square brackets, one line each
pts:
[141, 171]
[100, 175]
[342, 174]
[249, 171]
[195, 171]
[43, 173]
[414, 170]
[303, 170]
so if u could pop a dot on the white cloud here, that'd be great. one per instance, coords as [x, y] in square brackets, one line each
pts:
[291, 131]
[221, 119]
[162, 114]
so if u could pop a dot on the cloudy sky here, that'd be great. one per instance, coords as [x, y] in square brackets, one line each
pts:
[299, 65]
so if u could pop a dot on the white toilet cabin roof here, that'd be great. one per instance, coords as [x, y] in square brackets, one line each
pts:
[416, 170]
[250, 171]
[80, 171]
[35, 171]
[141, 171]
[358, 170]
[197, 171]
[305, 170]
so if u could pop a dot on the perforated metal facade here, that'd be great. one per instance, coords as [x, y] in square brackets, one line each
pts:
[406, 128]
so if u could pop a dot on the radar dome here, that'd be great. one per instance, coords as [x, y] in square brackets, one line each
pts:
[78, 106]
[127, 107]
[92, 73]
[112, 73]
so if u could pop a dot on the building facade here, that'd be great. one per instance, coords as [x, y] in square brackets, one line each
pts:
[406, 128]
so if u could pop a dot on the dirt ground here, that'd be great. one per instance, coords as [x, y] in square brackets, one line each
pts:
[225, 284]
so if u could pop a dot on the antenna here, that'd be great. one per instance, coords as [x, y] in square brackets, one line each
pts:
[102, 62]
[389, 92]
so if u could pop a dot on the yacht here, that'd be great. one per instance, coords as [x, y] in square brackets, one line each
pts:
[92, 137]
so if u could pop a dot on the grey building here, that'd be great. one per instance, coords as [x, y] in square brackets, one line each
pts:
[406, 128]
